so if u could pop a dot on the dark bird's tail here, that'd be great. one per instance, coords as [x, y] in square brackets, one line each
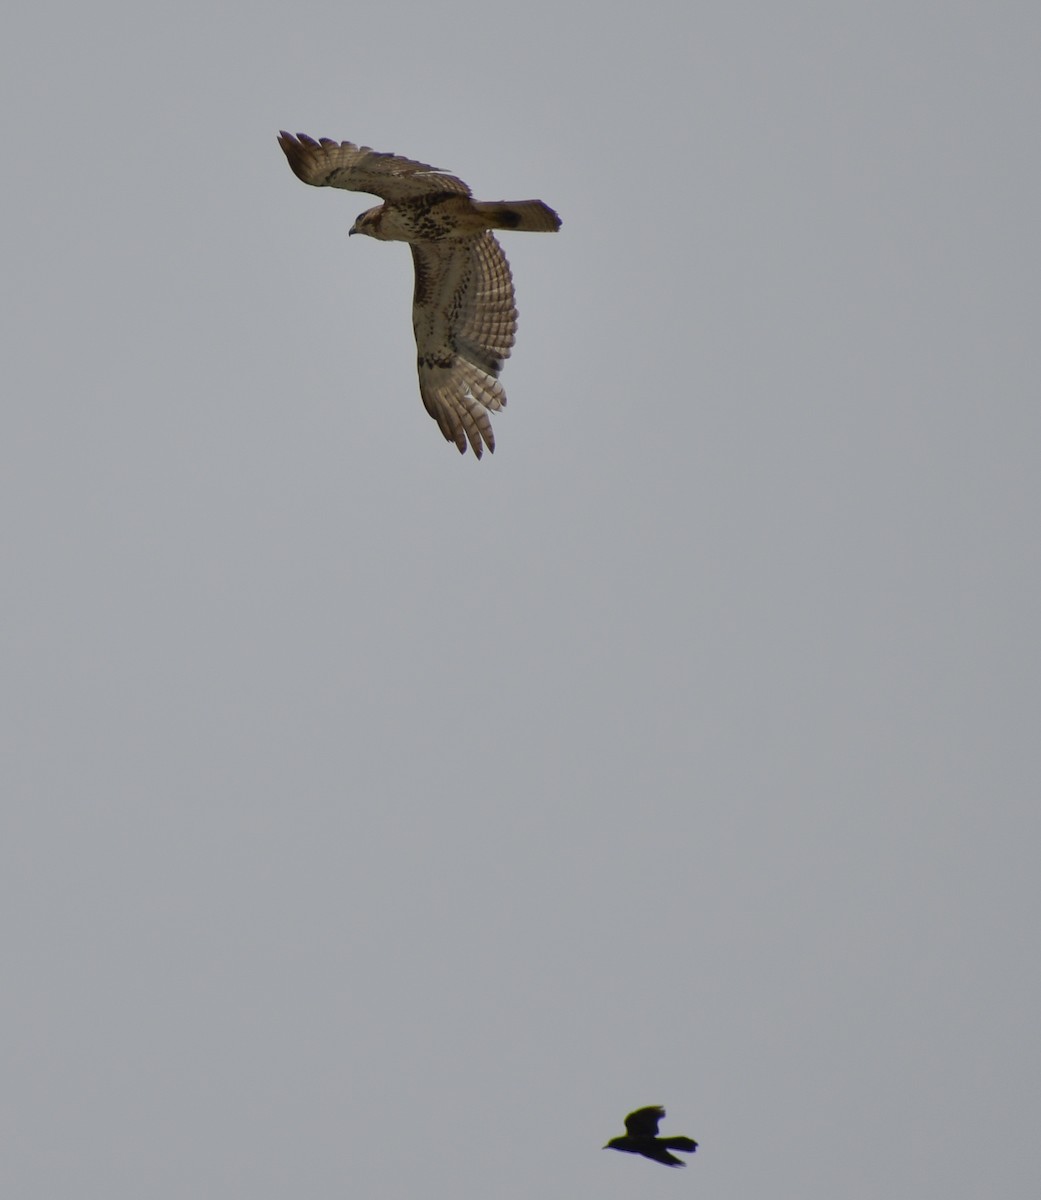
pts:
[531, 216]
[678, 1143]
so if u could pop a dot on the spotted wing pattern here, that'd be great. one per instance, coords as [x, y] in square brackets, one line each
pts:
[465, 321]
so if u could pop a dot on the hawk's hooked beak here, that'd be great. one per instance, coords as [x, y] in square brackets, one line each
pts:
[353, 229]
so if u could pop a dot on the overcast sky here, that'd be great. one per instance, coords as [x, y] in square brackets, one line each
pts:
[382, 823]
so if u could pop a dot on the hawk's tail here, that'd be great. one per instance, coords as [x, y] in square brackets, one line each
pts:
[530, 215]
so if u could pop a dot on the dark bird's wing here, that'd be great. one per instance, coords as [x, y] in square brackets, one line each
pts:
[643, 1123]
[465, 320]
[659, 1153]
[325, 163]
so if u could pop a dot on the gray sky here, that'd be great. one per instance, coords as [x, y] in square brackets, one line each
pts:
[382, 823]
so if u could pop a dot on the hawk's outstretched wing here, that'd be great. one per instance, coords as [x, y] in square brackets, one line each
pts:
[465, 320]
[643, 1123]
[325, 163]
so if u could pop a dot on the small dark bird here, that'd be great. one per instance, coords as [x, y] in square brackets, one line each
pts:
[641, 1137]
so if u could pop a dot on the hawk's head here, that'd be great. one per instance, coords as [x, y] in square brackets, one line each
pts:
[369, 223]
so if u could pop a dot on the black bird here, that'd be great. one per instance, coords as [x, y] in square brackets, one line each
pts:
[641, 1137]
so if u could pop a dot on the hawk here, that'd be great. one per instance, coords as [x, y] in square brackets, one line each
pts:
[463, 309]
[641, 1137]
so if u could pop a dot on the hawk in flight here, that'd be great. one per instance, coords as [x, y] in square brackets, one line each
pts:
[463, 309]
[641, 1137]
